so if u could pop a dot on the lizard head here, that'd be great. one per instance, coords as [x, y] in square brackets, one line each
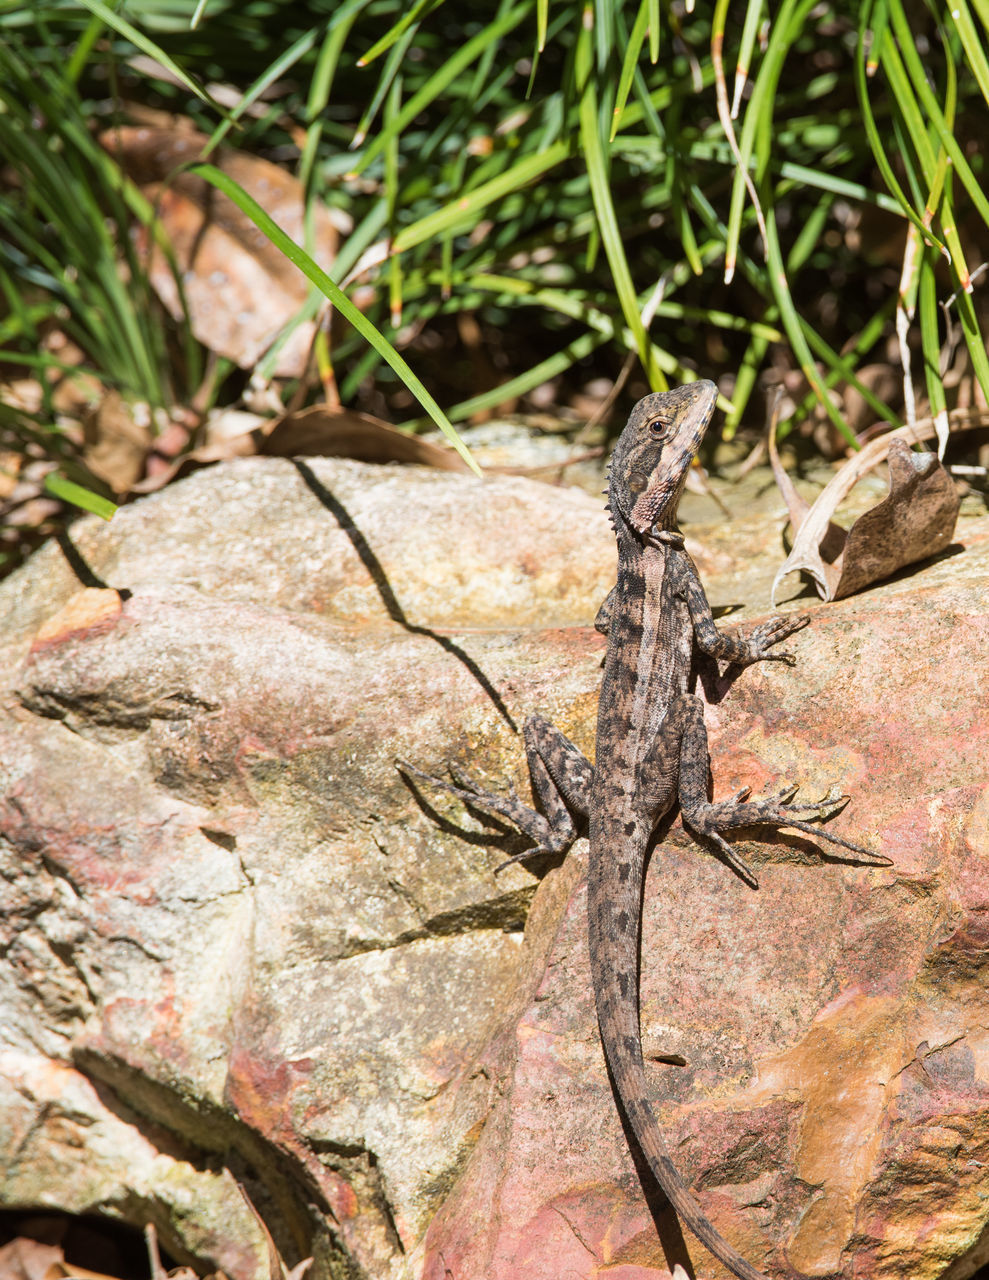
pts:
[653, 455]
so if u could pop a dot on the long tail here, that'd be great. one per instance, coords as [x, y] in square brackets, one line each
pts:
[613, 903]
[631, 1081]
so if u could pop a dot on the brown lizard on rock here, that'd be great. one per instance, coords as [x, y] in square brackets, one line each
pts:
[651, 751]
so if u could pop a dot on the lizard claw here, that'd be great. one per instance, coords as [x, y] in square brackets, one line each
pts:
[524, 856]
[816, 811]
[770, 633]
[737, 864]
[463, 780]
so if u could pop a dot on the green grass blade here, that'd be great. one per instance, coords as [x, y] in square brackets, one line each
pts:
[84, 47]
[743, 60]
[879, 23]
[392, 108]
[458, 62]
[927, 312]
[629, 63]
[794, 329]
[462, 212]
[288, 58]
[393, 64]
[419, 10]
[876, 142]
[933, 110]
[653, 31]
[341, 302]
[318, 99]
[974, 339]
[972, 44]
[67, 491]
[597, 170]
[140, 41]
[547, 369]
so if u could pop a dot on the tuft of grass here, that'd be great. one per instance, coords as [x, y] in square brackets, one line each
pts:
[548, 170]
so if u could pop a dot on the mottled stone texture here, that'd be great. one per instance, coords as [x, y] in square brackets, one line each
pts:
[235, 948]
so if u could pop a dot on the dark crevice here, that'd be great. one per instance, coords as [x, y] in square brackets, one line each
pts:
[100, 1245]
[98, 709]
[210, 1138]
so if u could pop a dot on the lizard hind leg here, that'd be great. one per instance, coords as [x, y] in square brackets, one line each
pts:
[561, 776]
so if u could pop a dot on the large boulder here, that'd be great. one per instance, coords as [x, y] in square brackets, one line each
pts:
[242, 955]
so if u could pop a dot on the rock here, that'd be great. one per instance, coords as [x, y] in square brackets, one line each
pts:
[241, 953]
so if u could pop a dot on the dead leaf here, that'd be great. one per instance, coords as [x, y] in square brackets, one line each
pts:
[239, 289]
[26, 1259]
[115, 443]
[323, 431]
[916, 520]
[62, 1270]
[335, 432]
[277, 1270]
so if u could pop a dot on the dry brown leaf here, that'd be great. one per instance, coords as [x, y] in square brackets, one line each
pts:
[914, 521]
[325, 431]
[335, 432]
[26, 1259]
[239, 289]
[62, 1270]
[277, 1270]
[115, 444]
[243, 446]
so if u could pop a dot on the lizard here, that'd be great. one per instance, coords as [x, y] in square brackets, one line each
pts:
[651, 752]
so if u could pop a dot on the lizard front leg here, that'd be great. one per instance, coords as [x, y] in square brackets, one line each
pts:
[741, 650]
[561, 779]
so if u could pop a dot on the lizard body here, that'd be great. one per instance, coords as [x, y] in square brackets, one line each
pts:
[651, 752]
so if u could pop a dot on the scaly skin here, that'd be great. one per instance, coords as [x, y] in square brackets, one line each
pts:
[651, 750]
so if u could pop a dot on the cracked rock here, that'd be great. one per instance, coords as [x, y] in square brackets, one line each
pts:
[239, 953]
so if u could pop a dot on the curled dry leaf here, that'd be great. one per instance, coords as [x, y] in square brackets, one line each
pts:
[277, 1270]
[915, 520]
[239, 289]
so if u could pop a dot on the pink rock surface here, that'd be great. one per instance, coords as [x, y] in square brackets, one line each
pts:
[238, 949]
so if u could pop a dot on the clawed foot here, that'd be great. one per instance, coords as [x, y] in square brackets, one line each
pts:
[528, 821]
[771, 632]
[775, 810]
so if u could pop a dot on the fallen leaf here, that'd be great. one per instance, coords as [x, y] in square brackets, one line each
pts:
[277, 1270]
[323, 431]
[115, 444]
[240, 291]
[914, 521]
[26, 1259]
[327, 431]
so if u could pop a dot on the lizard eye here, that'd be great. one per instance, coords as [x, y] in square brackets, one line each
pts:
[659, 427]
